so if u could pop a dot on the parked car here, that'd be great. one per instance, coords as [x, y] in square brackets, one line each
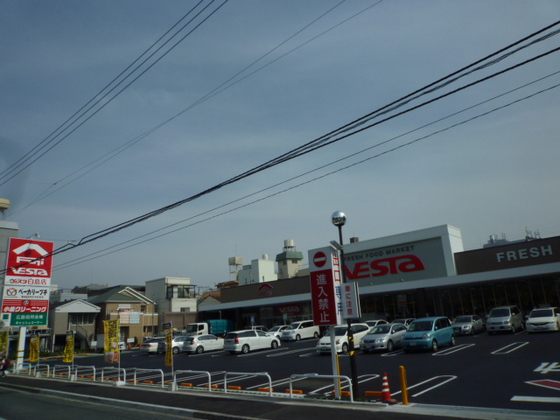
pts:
[201, 343]
[504, 318]
[256, 327]
[179, 343]
[300, 330]
[375, 322]
[154, 345]
[244, 341]
[543, 319]
[359, 330]
[277, 330]
[428, 333]
[383, 337]
[405, 321]
[468, 324]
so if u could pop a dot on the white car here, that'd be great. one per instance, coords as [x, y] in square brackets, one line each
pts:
[375, 322]
[300, 330]
[244, 341]
[154, 345]
[201, 343]
[359, 330]
[543, 319]
[277, 330]
[383, 337]
[179, 342]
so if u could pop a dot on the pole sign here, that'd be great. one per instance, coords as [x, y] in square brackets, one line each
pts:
[25, 298]
[351, 308]
[325, 275]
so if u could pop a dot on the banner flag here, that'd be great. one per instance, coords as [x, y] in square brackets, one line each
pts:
[4, 343]
[169, 347]
[112, 333]
[34, 349]
[69, 348]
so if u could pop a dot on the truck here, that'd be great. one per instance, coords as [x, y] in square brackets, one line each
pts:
[99, 345]
[217, 327]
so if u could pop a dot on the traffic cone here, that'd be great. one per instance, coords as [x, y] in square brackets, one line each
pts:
[386, 392]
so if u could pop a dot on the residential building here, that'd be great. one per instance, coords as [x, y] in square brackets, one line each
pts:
[76, 315]
[260, 271]
[176, 301]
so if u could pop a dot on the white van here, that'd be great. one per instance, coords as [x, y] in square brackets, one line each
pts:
[299, 330]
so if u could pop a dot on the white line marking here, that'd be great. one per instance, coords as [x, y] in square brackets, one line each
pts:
[536, 399]
[514, 346]
[452, 350]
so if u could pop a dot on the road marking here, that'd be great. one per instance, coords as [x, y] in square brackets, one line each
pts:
[546, 383]
[393, 353]
[510, 348]
[290, 352]
[449, 379]
[451, 350]
[535, 399]
[548, 367]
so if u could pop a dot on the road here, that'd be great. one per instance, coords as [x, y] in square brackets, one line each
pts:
[506, 371]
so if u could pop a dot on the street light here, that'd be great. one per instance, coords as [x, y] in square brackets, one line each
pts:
[338, 219]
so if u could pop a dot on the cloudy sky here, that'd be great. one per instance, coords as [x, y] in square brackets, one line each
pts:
[111, 110]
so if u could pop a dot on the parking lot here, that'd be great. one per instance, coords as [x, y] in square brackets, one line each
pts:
[513, 371]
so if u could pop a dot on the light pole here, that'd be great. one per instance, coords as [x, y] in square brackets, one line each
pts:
[338, 219]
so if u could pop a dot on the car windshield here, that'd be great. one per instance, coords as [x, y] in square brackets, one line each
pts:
[380, 329]
[541, 313]
[274, 329]
[496, 313]
[231, 335]
[339, 331]
[463, 319]
[293, 326]
[421, 326]
[399, 321]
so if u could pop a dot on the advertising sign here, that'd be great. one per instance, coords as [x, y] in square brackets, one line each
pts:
[112, 332]
[27, 282]
[69, 348]
[325, 276]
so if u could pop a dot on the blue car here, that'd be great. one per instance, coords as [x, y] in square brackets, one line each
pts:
[428, 333]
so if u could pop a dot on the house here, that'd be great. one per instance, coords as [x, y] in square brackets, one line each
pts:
[176, 301]
[136, 312]
[76, 315]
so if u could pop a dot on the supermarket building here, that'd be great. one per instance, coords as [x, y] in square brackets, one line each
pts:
[414, 274]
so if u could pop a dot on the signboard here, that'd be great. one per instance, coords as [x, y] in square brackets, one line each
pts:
[351, 308]
[27, 282]
[325, 276]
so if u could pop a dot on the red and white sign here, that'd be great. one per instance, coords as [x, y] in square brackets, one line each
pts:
[29, 259]
[28, 277]
[351, 308]
[325, 276]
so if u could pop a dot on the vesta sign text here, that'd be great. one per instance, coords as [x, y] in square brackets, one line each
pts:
[27, 271]
[384, 266]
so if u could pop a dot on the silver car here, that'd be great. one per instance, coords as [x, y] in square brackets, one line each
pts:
[504, 318]
[245, 341]
[201, 343]
[383, 337]
[468, 324]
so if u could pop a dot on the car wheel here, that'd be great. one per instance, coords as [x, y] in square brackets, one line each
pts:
[175, 350]
[365, 351]
[435, 346]
[199, 349]
[274, 344]
[345, 348]
[452, 342]
[298, 337]
[390, 346]
[513, 329]
[316, 335]
[245, 349]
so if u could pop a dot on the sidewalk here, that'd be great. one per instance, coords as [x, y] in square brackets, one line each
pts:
[206, 405]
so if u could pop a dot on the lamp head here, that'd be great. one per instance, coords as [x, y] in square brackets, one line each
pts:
[338, 218]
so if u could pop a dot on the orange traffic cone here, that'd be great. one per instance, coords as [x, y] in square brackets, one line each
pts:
[386, 392]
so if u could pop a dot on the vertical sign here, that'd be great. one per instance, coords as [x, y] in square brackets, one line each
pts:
[112, 333]
[25, 299]
[325, 276]
[351, 308]
[69, 348]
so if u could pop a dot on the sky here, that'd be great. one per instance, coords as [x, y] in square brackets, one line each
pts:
[244, 82]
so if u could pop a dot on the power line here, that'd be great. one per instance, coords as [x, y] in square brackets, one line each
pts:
[106, 251]
[74, 121]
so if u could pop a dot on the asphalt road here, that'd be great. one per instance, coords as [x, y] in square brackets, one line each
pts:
[506, 371]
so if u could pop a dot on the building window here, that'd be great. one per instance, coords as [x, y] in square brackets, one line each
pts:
[175, 292]
[81, 319]
[185, 309]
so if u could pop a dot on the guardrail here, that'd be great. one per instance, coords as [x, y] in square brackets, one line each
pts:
[135, 379]
[314, 375]
[249, 373]
[202, 372]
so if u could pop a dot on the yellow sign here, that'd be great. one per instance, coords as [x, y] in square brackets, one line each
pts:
[69, 348]
[112, 333]
[4, 343]
[169, 348]
[34, 349]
